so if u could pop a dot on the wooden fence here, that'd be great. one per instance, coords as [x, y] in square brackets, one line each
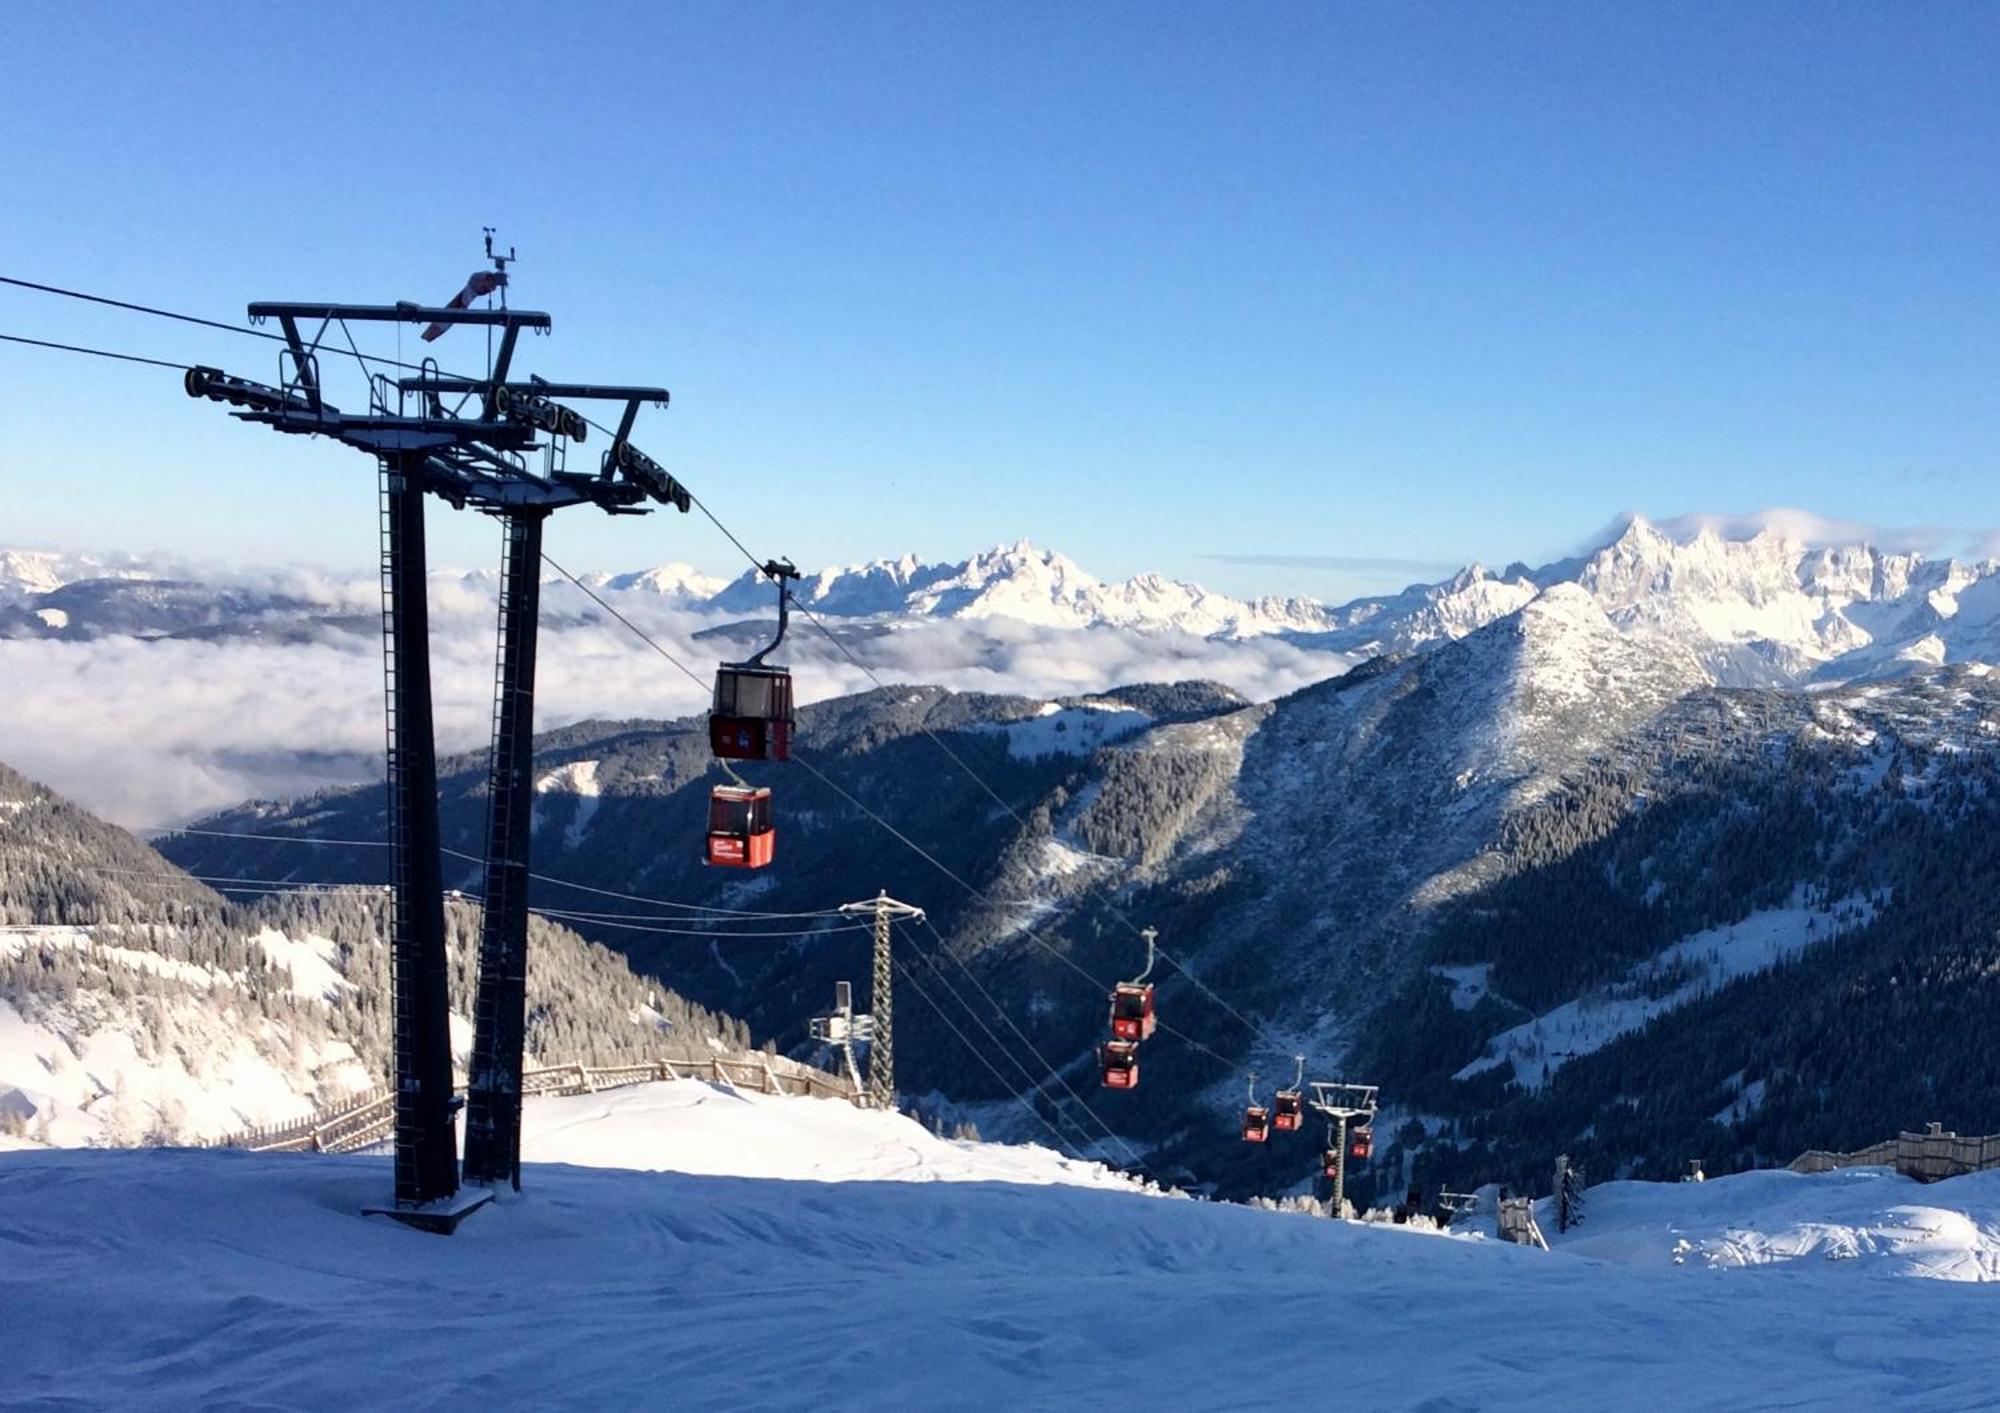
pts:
[1927, 1157]
[368, 1118]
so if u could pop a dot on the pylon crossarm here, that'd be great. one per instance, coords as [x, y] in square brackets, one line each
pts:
[402, 312]
[541, 387]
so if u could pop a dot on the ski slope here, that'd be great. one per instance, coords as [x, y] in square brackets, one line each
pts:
[867, 1264]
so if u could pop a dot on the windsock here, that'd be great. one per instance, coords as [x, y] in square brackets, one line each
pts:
[482, 282]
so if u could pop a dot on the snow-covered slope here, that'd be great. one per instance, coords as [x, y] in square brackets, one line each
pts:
[185, 1064]
[1876, 1220]
[1769, 608]
[692, 1127]
[181, 1279]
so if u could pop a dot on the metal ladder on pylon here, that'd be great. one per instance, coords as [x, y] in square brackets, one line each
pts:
[500, 819]
[399, 853]
[493, 1096]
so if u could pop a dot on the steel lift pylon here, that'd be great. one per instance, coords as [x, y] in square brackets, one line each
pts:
[475, 451]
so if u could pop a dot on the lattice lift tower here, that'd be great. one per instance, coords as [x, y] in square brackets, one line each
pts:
[500, 447]
[881, 997]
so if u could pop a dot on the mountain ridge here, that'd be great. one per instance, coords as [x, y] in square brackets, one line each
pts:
[1766, 608]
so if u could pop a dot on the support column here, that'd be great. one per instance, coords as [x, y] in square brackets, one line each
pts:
[881, 1005]
[426, 1146]
[493, 1094]
[1340, 1169]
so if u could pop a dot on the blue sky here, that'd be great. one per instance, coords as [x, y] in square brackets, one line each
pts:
[1384, 285]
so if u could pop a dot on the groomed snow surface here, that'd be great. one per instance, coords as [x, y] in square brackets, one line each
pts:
[680, 1246]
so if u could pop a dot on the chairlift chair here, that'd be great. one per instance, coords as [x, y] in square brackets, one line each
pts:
[740, 833]
[1119, 1062]
[751, 715]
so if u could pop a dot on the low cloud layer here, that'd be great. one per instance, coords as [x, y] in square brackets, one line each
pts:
[152, 733]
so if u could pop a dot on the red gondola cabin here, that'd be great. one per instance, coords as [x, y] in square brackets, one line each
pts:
[740, 834]
[1119, 1060]
[1132, 1011]
[1256, 1124]
[1331, 1162]
[1290, 1111]
[1360, 1144]
[751, 718]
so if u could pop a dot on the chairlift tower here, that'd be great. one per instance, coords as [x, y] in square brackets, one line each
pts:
[500, 447]
[1341, 1104]
[881, 999]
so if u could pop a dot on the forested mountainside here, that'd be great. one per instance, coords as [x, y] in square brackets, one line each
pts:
[1801, 894]
[61, 864]
[136, 1002]
[1547, 885]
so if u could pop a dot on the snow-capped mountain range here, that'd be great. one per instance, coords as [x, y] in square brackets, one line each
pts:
[1756, 606]
[1036, 586]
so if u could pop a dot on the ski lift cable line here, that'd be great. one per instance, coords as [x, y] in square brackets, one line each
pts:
[557, 915]
[911, 981]
[994, 1005]
[98, 352]
[745, 913]
[905, 839]
[137, 308]
[1255, 1029]
[998, 1044]
[976, 892]
[935, 862]
[908, 842]
[226, 328]
[230, 884]
[1037, 1086]
[824, 914]
[644, 636]
[1131, 1155]
[827, 780]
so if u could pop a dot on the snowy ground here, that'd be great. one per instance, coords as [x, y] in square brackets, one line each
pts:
[1871, 1217]
[693, 1127]
[176, 1278]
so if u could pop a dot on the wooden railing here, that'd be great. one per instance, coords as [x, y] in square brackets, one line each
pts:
[1928, 1157]
[368, 1118]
